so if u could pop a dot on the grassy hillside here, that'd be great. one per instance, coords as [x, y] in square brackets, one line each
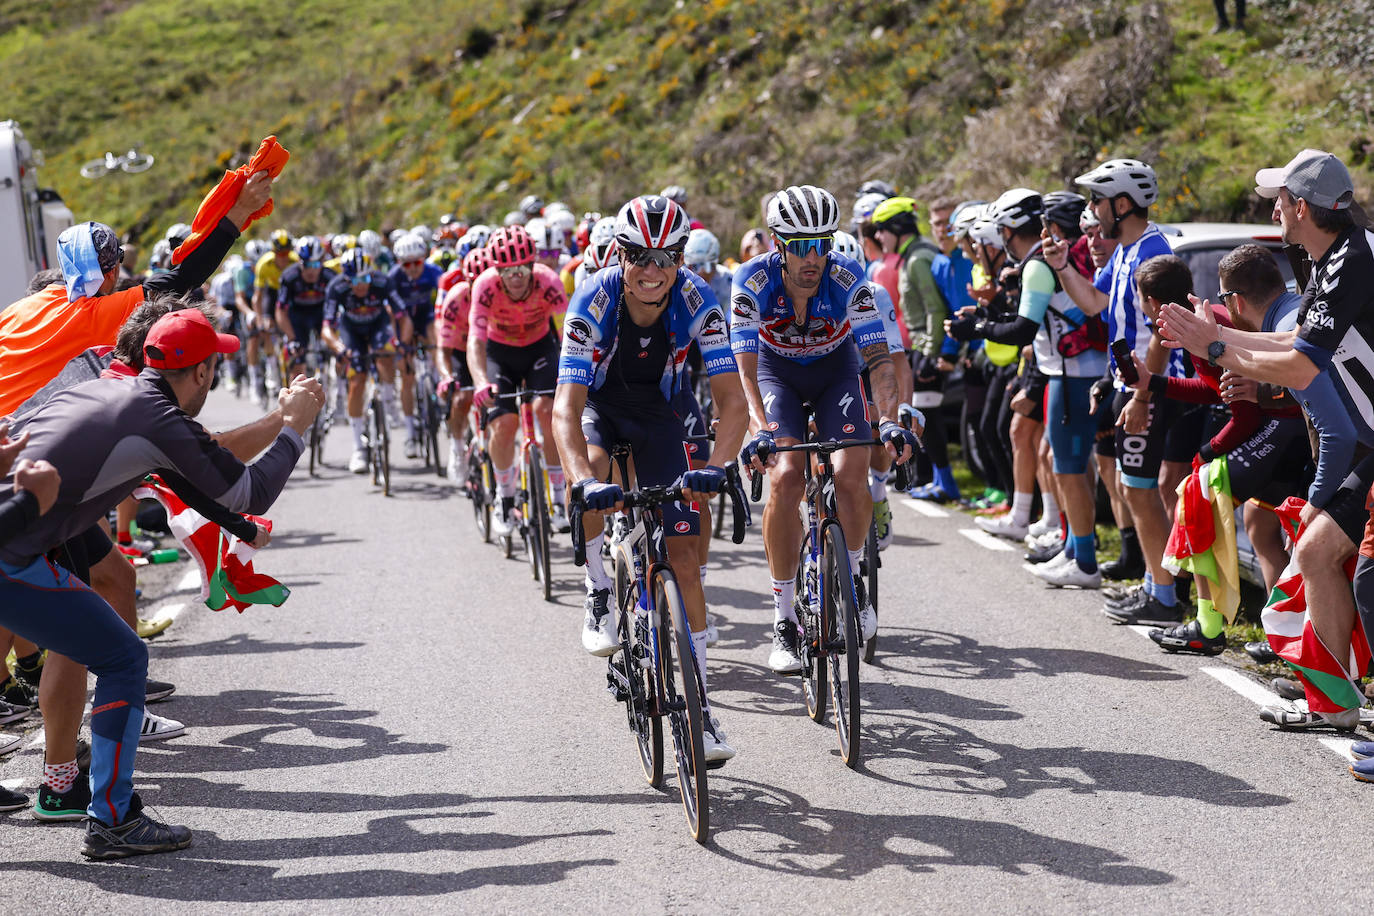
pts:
[398, 111]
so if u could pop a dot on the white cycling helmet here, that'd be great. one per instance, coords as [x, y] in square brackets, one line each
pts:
[804, 211]
[543, 234]
[514, 218]
[601, 246]
[849, 246]
[984, 231]
[1015, 208]
[479, 234]
[410, 247]
[370, 241]
[864, 207]
[676, 193]
[963, 218]
[178, 234]
[423, 232]
[254, 249]
[308, 248]
[1114, 177]
[1088, 220]
[561, 221]
[652, 221]
[161, 255]
[395, 234]
[703, 249]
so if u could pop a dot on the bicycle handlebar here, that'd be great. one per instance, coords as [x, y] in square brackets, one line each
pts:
[902, 471]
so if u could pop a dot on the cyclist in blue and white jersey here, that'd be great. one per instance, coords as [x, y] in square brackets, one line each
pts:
[416, 282]
[625, 342]
[803, 323]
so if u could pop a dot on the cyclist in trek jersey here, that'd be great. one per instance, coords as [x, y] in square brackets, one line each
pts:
[416, 282]
[300, 301]
[1120, 194]
[451, 328]
[624, 349]
[358, 321]
[802, 319]
[515, 319]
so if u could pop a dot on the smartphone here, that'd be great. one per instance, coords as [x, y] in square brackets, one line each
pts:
[1048, 226]
[1125, 363]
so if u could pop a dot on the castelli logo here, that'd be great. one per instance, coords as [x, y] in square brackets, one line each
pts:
[683, 527]
[773, 426]
[691, 448]
[849, 427]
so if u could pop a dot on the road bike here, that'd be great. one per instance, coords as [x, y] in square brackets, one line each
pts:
[656, 673]
[479, 480]
[534, 496]
[133, 161]
[316, 360]
[429, 413]
[377, 429]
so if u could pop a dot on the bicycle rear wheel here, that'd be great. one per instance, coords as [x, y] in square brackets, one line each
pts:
[538, 523]
[682, 697]
[813, 664]
[480, 481]
[641, 707]
[841, 625]
[380, 446]
[871, 564]
[435, 423]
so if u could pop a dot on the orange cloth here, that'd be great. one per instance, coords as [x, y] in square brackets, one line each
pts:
[41, 333]
[271, 157]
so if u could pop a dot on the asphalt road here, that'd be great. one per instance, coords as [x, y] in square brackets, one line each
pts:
[416, 729]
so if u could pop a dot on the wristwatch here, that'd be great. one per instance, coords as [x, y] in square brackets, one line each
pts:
[1214, 351]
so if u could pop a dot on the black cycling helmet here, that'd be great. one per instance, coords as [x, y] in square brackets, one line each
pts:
[1065, 209]
[877, 186]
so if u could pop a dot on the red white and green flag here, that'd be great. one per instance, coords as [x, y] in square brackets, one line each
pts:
[1203, 539]
[1331, 686]
[226, 563]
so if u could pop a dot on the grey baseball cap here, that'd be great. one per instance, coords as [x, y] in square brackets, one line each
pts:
[1316, 176]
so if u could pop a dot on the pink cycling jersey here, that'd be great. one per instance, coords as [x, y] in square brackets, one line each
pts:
[451, 318]
[500, 319]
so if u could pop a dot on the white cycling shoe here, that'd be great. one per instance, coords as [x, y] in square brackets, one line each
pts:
[713, 742]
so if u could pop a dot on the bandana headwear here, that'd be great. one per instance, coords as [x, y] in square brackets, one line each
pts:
[85, 252]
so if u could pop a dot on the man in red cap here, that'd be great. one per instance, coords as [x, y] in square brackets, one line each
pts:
[103, 437]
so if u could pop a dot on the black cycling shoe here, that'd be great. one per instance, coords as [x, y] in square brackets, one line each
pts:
[1150, 613]
[1133, 568]
[1189, 638]
[1288, 689]
[1261, 652]
[1132, 598]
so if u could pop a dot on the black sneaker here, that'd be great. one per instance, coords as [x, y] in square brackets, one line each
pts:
[12, 713]
[83, 756]
[30, 669]
[1189, 638]
[153, 691]
[18, 693]
[1288, 689]
[12, 801]
[54, 807]
[1261, 652]
[1133, 568]
[785, 657]
[1150, 613]
[1133, 598]
[138, 835]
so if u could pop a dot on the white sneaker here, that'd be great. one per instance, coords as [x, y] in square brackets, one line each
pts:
[784, 658]
[1043, 541]
[713, 742]
[1043, 526]
[1002, 525]
[10, 743]
[558, 518]
[712, 634]
[358, 463]
[868, 621]
[502, 522]
[600, 634]
[1068, 575]
[412, 448]
[157, 728]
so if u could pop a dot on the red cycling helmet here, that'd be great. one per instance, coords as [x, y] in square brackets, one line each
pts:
[511, 246]
[477, 260]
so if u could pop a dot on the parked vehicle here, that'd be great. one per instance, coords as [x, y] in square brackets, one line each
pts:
[31, 218]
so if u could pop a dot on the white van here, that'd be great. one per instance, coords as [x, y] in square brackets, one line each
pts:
[31, 218]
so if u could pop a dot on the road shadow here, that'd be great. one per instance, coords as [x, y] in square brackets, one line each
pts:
[244, 644]
[779, 831]
[294, 539]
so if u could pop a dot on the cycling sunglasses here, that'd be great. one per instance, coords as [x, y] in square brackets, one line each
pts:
[549, 252]
[360, 279]
[822, 245]
[415, 263]
[519, 270]
[309, 265]
[636, 256]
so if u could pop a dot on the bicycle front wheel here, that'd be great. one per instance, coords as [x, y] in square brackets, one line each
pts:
[681, 695]
[871, 564]
[641, 707]
[808, 625]
[841, 626]
[479, 485]
[538, 523]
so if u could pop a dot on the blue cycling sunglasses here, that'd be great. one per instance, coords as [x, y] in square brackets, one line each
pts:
[822, 245]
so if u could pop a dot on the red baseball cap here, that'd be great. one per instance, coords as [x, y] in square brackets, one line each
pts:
[184, 338]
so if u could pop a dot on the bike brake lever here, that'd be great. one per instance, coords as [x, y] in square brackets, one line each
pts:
[738, 505]
[755, 485]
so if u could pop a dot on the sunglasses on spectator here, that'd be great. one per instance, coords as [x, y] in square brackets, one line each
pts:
[1222, 294]
[822, 245]
[642, 257]
[512, 273]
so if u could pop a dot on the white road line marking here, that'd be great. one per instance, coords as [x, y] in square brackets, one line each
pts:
[1340, 746]
[983, 539]
[12, 783]
[1255, 693]
[189, 580]
[925, 508]
[169, 611]
[1142, 630]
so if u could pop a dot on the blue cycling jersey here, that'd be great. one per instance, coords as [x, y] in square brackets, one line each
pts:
[843, 309]
[590, 330]
[420, 294]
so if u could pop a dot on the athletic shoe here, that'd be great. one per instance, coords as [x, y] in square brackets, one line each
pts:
[712, 634]
[358, 463]
[1189, 638]
[17, 692]
[558, 518]
[153, 691]
[992, 509]
[503, 519]
[713, 742]
[158, 728]
[1363, 770]
[10, 743]
[453, 470]
[931, 492]
[868, 620]
[1288, 689]
[9, 712]
[882, 521]
[1133, 568]
[1004, 526]
[784, 658]
[1261, 652]
[412, 448]
[1130, 599]
[55, 807]
[600, 634]
[1362, 750]
[12, 801]
[1047, 539]
[1293, 719]
[1121, 592]
[1045, 525]
[138, 835]
[1067, 575]
[1044, 554]
[147, 629]
[1151, 613]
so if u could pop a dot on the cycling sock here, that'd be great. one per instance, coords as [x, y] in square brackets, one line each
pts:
[855, 558]
[944, 479]
[412, 427]
[389, 398]
[1068, 548]
[341, 392]
[784, 592]
[1049, 508]
[505, 482]
[1021, 507]
[60, 777]
[125, 538]
[359, 429]
[1164, 594]
[596, 569]
[877, 485]
[1209, 618]
[556, 482]
[1084, 553]
[699, 648]
[1130, 546]
[252, 376]
[703, 575]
